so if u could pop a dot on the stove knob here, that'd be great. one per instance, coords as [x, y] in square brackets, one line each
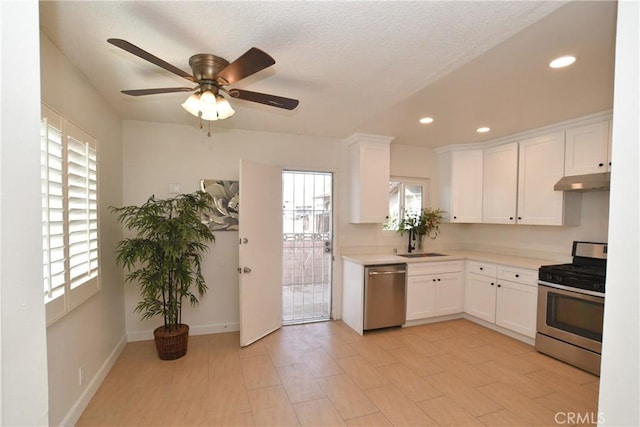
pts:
[559, 278]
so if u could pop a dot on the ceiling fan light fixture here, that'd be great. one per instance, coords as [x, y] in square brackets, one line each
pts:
[224, 108]
[207, 98]
[192, 104]
[209, 112]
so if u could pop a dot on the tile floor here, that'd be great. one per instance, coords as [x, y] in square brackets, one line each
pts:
[453, 373]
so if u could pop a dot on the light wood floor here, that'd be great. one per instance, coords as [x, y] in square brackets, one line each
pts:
[453, 373]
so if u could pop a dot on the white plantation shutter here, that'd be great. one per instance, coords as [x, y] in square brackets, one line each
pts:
[69, 214]
[83, 207]
[53, 229]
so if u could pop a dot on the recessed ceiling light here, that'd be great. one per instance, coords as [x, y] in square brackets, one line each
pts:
[426, 120]
[483, 129]
[563, 61]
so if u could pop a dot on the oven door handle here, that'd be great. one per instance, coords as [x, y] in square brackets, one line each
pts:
[570, 289]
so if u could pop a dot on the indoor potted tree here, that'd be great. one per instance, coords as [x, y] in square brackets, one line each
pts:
[164, 260]
[426, 223]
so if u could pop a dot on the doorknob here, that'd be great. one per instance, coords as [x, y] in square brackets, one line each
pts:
[246, 270]
[243, 240]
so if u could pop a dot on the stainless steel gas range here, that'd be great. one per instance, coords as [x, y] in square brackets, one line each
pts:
[571, 307]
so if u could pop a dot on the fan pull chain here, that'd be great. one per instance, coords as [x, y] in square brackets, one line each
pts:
[202, 127]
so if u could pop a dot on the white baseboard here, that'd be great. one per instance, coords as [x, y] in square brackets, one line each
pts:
[193, 330]
[80, 405]
[432, 320]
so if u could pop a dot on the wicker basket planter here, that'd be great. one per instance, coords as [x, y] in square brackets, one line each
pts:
[171, 344]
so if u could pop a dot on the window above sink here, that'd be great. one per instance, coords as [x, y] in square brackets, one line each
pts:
[405, 195]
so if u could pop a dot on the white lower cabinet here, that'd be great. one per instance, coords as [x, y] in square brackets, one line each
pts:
[503, 295]
[434, 289]
[480, 297]
[516, 307]
[421, 297]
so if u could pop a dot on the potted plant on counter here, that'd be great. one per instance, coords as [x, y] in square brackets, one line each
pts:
[425, 223]
[164, 260]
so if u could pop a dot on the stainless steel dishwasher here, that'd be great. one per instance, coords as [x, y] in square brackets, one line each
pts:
[384, 296]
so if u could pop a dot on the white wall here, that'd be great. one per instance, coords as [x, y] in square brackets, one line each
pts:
[23, 353]
[92, 335]
[620, 375]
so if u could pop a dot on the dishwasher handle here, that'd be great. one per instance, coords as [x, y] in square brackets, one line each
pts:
[376, 273]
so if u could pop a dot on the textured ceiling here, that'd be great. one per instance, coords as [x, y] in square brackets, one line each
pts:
[374, 67]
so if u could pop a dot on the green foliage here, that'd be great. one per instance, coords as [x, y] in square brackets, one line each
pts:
[164, 259]
[426, 223]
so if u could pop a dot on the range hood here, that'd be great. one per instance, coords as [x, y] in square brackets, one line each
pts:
[594, 181]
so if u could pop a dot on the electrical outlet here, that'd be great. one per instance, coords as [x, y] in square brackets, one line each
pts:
[81, 375]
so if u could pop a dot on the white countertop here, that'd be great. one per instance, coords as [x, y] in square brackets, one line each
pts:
[515, 261]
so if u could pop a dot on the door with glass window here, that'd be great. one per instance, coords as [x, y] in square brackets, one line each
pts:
[307, 245]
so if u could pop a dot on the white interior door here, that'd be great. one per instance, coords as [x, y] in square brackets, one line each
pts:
[260, 257]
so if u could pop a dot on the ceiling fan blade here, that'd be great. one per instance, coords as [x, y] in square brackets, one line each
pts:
[263, 98]
[140, 92]
[249, 63]
[135, 50]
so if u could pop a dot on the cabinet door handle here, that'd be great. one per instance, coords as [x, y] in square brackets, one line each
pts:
[517, 275]
[499, 285]
[455, 217]
[438, 280]
[600, 165]
[481, 268]
[519, 217]
[510, 218]
[492, 283]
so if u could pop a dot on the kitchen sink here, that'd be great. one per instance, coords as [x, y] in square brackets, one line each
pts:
[421, 255]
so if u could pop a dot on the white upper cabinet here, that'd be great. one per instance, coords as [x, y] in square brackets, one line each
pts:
[587, 149]
[460, 174]
[511, 180]
[541, 165]
[500, 184]
[369, 178]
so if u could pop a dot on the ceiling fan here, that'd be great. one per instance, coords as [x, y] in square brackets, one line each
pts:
[211, 74]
